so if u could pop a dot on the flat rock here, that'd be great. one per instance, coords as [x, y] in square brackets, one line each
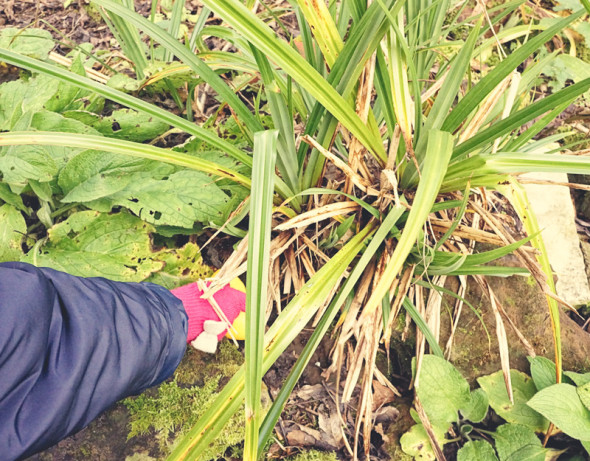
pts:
[556, 216]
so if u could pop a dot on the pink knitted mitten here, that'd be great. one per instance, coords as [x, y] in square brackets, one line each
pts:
[205, 327]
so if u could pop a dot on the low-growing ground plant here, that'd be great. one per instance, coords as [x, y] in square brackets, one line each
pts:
[464, 418]
[391, 135]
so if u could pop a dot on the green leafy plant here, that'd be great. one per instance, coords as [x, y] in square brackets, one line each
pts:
[537, 401]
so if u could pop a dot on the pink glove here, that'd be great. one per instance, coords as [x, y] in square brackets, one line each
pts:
[205, 328]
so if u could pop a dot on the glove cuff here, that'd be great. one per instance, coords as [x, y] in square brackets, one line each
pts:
[195, 307]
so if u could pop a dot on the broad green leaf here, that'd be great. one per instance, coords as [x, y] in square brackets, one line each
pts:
[185, 197]
[579, 379]
[477, 408]
[511, 438]
[18, 164]
[44, 120]
[523, 388]
[91, 175]
[70, 97]
[416, 443]
[533, 453]
[6, 195]
[130, 125]
[561, 405]
[43, 190]
[36, 43]
[182, 266]
[479, 450]
[91, 244]
[19, 96]
[12, 230]
[542, 372]
[441, 390]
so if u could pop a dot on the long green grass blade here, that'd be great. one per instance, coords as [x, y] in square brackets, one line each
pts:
[500, 72]
[119, 146]
[189, 58]
[421, 324]
[450, 87]
[128, 37]
[264, 38]
[265, 144]
[325, 31]
[174, 25]
[283, 121]
[283, 331]
[525, 163]
[79, 81]
[518, 198]
[438, 153]
[521, 117]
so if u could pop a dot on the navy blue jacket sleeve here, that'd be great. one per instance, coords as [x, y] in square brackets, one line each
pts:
[70, 347]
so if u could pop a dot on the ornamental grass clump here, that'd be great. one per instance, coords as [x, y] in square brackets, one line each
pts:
[390, 133]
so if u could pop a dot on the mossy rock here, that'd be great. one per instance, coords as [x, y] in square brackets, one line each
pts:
[148, 431]
[475, 349]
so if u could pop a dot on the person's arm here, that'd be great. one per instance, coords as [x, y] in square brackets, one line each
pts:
[70, 347]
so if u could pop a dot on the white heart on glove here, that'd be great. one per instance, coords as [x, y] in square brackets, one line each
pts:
[207, 340]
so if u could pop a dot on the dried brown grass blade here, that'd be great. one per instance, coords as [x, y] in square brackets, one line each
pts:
[350, 173]
[571, 185]
[319, 214]
[66, 62]
[429, 430]
[501, 334]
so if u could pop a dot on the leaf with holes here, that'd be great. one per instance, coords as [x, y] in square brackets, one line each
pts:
[93, 244]
[183, 265]
[12, 230]
[180, 200]
[130, 125]
[416, 443]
